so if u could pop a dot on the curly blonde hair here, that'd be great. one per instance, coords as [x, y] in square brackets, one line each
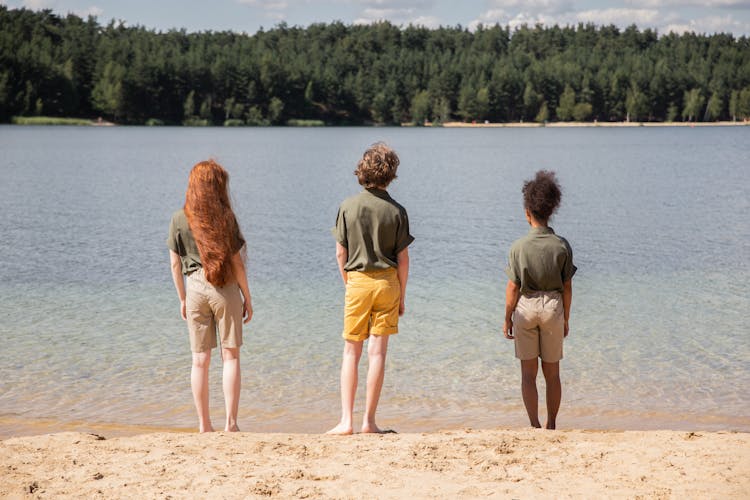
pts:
[378, 166]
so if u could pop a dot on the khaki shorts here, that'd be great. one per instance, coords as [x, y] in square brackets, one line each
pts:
[538, 326]
[210, 308]
[371, 304]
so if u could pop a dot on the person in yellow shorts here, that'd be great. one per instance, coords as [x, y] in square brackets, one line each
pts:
[538, 296]
[372, 240]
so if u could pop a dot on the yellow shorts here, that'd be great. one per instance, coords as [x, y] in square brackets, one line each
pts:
[371, 304]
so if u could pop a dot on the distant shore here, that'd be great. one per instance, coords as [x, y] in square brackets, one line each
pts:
[45, 120]
[462, 463]
[594, 124]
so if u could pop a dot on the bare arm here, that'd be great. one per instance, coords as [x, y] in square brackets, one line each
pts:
[512, 292]
[342, 255]
[403, 275]
[567, 300]
[178, 279]
[238, 269]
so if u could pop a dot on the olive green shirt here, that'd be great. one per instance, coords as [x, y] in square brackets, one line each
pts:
[181, 242]
[373, 228]
[541, 261]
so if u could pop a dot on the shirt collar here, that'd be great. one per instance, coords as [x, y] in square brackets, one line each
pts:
[380, 193]
[541, 230]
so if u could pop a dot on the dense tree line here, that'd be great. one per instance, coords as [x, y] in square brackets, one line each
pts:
[381, 73]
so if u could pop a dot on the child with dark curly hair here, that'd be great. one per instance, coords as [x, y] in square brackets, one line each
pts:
[372, 240]
[538, 296]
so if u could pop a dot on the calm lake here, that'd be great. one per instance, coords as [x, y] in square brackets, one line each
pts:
[657, 218]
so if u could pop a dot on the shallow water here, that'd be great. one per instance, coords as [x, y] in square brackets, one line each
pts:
[659, 330]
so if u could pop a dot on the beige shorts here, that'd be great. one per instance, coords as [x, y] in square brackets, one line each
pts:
[371, 304]
[210, 309]
[538, 326]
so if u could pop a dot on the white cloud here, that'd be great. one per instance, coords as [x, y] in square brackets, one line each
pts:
[90, 11]
[708, 4]
[427, 21]
[546, 6]
[709, 24]
[39, 4]
[620, 17]
[267, 5]
[403, 16]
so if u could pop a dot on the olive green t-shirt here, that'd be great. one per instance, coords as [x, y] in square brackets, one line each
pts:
[181, 241]
[541, 261]
[374, 228]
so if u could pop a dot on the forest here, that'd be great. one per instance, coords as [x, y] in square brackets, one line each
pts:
[339, 74]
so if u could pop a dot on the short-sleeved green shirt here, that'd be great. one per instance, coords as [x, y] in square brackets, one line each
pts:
[374, 228]
[181, 241]
[541, 261]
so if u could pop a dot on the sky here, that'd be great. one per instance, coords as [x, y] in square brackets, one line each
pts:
[700, 16]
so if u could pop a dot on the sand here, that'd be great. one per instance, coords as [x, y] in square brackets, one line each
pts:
[498, 463]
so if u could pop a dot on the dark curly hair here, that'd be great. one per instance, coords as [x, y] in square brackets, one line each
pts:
[541, 195]
[378, 166]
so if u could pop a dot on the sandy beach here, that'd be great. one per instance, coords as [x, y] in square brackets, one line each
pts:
[499, 463]
[594, 124]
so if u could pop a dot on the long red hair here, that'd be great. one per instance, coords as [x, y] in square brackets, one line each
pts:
[211, 220]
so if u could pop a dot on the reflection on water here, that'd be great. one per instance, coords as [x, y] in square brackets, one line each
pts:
[659, 333]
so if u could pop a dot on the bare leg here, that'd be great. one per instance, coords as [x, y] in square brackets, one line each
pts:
[376, 351]
[554, 391]
[349, 374]
[199, 384]
[529, 369]
[231, 381]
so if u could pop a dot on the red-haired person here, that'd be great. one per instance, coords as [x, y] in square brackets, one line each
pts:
[207, 247]
[538, 296]
[372, 240]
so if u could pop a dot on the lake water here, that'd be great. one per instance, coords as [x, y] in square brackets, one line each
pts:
[657, 218]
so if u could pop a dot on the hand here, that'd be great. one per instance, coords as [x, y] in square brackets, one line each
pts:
[247, 311]
[508, 329]
[401, 307]
[183, 310]
[567, 329]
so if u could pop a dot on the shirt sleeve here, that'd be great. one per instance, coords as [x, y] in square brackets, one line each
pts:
[239, 240]
[569, 269]
[172, 237]
[339, 231]
[512, 269]
[403, 236]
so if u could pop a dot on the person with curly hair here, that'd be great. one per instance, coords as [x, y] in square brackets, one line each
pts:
[206, 245]
[538, 296]
[372, 240]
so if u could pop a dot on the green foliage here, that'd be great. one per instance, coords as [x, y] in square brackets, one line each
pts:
[543, 115]
[420, 107]
[233, 122]
[743, 104]
[714, 107]
[295, 122]
[567, 104]
[693, 104]
[636, 104]
[154, 122]
[582, 111]
[49, 120]
[358, 74]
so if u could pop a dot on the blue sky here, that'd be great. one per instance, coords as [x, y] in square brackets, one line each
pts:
[702, 16]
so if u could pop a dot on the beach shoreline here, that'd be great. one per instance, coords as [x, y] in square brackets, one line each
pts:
[595, 124]
[463, 463]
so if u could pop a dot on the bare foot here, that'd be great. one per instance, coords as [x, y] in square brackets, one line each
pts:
[550, 425]
[341, 430]
[371, 429]
[206, 429]
[234, 428]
